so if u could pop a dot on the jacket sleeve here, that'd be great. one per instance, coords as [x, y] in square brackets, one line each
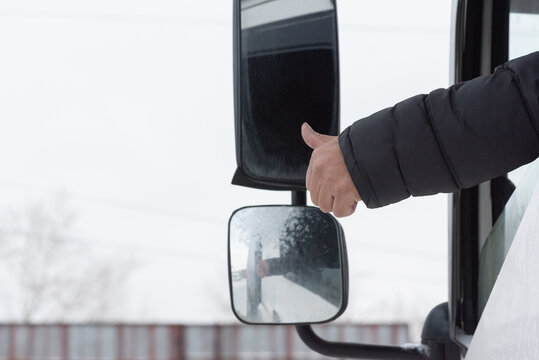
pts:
[449, 139]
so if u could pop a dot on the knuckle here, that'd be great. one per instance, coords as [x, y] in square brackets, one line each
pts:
[339, 188]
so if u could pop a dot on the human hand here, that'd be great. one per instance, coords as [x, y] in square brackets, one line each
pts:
[328, 179]
[262, 268]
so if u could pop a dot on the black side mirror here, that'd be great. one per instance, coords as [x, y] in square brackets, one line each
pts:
[287, 265]
[286, 72]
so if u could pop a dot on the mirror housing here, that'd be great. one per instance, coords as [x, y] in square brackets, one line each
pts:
[287, 265]
[286, 72]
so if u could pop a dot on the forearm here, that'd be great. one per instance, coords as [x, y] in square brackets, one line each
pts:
[452, 138]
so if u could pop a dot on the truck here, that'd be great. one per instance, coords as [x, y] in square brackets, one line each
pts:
[285, 60]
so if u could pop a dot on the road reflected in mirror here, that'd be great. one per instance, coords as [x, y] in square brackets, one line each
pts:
[285, 265]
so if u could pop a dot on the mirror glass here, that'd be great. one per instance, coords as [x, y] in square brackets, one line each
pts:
[288, 75]
[286, 265]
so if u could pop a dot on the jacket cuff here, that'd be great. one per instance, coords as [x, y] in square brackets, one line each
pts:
[359, 177]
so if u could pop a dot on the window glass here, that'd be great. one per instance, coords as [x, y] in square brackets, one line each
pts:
[501, 236]
[523, 39]
[523, 30]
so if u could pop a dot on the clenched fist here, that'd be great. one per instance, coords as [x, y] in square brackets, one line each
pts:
[328, 179]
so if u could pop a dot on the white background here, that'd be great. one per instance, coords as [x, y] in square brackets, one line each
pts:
[124, 109]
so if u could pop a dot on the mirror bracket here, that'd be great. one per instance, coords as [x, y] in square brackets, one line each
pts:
[299, 198]
[351, 350]
[359, 351]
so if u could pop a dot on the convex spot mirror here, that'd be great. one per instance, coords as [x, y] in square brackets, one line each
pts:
[287, 265]
[286, 72]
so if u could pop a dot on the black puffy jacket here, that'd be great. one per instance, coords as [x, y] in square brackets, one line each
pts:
[449, 139]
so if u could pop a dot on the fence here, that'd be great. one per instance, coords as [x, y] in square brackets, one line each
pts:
[178, 342]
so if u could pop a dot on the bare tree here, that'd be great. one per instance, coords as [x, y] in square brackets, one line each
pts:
[52, 275]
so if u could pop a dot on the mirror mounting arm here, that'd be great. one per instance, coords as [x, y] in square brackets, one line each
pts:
[359, 351]
[351, 350]
[299, 198]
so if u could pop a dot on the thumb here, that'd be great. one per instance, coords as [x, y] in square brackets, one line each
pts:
[312, 138]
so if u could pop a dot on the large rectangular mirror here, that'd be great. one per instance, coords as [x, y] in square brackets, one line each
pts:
[286, 73]
[287, 265]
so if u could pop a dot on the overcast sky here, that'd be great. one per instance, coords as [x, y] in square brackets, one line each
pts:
[126, 108]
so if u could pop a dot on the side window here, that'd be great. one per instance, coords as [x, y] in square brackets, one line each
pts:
[523, 28]
[516, 188]
[501, 236]
[523, 39]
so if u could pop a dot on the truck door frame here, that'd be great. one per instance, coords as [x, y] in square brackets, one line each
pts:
[480, 30]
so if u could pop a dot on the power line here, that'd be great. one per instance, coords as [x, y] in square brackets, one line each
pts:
[136, 19]
[144, 250]
[393, 28]
[117, 203]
